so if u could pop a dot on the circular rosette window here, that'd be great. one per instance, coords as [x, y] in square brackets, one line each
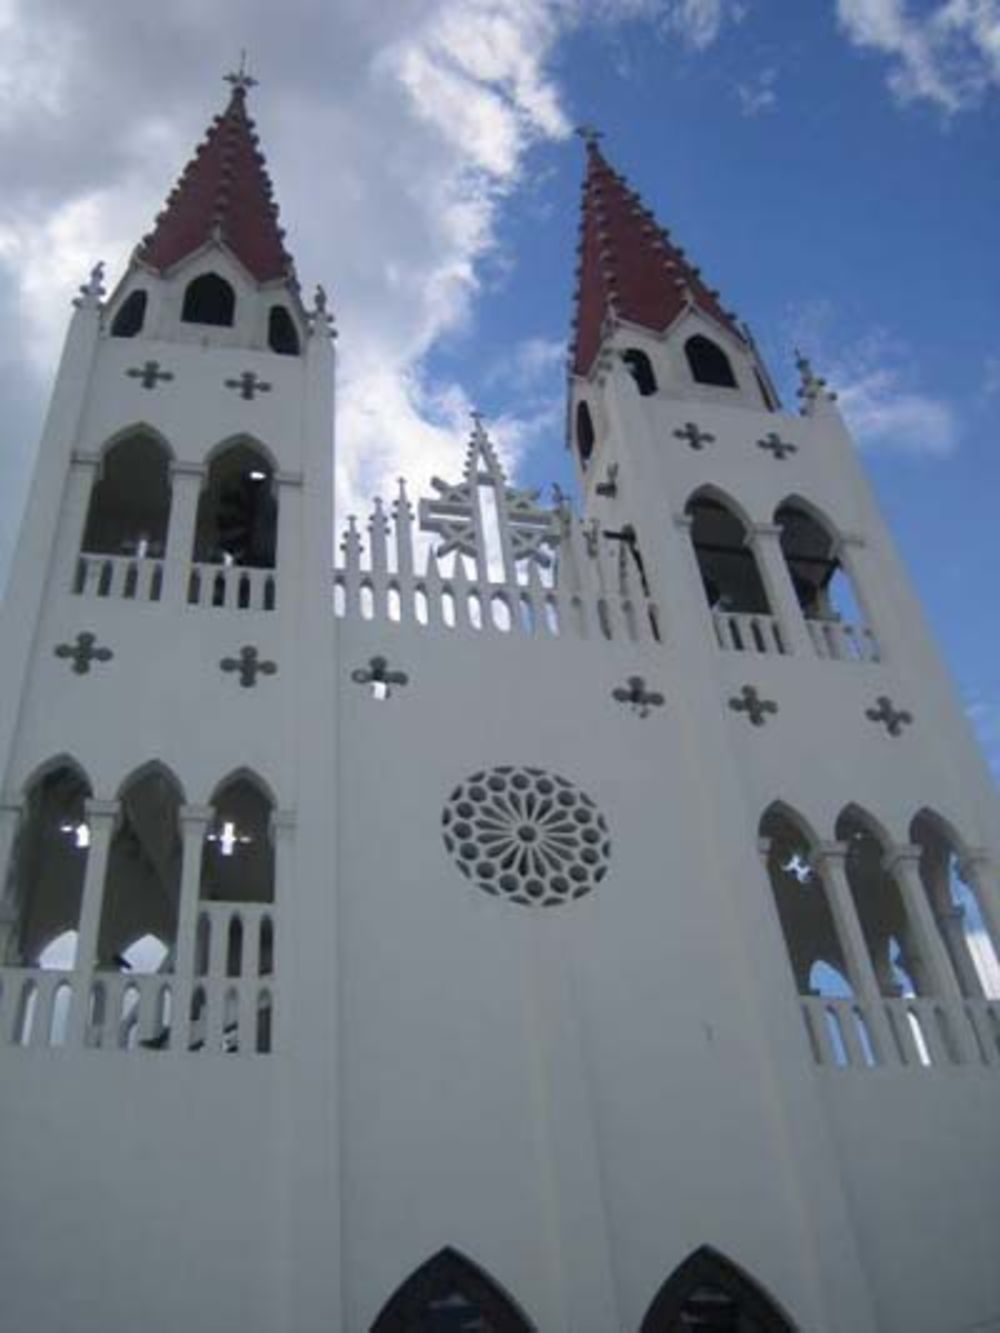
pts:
[526, 835]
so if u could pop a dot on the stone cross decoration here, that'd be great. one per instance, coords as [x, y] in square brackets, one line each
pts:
[378, 675]
[148, 374]
[753, 705]
[696, 438]
[775, 445]
[894, 719]
[248, 385]
[249, 665]
[83, 653]
[635, 694]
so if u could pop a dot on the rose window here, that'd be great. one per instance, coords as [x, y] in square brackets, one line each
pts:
[526, 835]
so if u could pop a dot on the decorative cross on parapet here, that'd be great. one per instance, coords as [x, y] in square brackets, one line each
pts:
[456, 514]
[379, 676]
[753, 705]
[320, 317]
[812, 386]
[895, 719]
[92, 291]
[635, 694]
[696, 438]
[248, 384]
[149, 374]
[775, 445]
[241, 80]
[83, 652]
[590, 135]
[249, 665]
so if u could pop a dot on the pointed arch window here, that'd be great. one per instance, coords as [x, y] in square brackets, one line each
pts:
[130, 504]
[450, 1294]
[282, 335]
[238, 857]
[143, 879]
[708, 363]
[824, 587]
[237, 520]
[728, 566]
[209, 299]
[803, 908]
[49, 865]
[130, 317]
[641, 369]
[585, 437]
[708, 1292]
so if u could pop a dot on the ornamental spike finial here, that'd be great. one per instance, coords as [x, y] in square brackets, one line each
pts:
[590, 135]
[240, 79]
[92, 291]
[813, 389]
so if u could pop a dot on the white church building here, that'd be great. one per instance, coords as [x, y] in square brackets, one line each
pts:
[525, 918]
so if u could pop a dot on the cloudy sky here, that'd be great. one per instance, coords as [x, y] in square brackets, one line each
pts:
[832, 166]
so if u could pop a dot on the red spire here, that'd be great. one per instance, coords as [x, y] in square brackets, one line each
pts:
[224, 194]
[628, 267]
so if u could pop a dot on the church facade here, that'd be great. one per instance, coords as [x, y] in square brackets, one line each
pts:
[533, 919]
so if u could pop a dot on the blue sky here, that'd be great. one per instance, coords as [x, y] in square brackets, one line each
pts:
[832, 166]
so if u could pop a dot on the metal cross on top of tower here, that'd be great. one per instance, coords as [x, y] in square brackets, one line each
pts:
[590, 135]
[240, 79]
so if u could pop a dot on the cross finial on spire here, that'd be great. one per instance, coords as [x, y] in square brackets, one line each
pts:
[478, 429]
[241, 80]
[590, 135]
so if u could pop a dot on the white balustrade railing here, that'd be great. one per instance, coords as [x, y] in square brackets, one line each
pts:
[839, 641]
[137, 577]
[923, 1032]
[234, 587]
[747, 632]
[127, 1011]
[234, 940]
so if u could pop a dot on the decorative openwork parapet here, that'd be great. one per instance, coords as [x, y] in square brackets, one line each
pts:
[502, 562]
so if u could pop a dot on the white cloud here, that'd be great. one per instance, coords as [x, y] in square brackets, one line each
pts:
[949, 56]
[758, 94]
[991, 376]
[699, 22]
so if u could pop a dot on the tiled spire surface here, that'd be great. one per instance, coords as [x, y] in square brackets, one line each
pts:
[628, 267]
[224, 194]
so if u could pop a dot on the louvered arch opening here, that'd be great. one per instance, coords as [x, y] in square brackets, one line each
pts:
[450, 1294]
[709, 1294]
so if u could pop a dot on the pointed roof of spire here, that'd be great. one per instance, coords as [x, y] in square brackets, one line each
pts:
[628, 266]
[224, 194]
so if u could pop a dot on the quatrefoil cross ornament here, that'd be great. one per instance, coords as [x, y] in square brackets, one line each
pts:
[894, 719]
[635, 694]
[756, 708]
[249, 665]
[83, 652]
[379, 676]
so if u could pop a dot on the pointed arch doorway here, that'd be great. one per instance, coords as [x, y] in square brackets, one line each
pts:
[450, 1294]
[709, 1294]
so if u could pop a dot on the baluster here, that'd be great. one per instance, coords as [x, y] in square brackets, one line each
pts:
[402, 516]
[378, 529]
[351, 547]
[433, 592]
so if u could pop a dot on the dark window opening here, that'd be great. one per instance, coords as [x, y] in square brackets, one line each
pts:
[728, 566]
[209, 300]
[130, 504]
[448, 1294]
[238, 513]
[822, 585]
[641, 369]
[708, 1292]
[130, 318]
[237, 863]
[709, 363]
[584, 433]
[282, 335]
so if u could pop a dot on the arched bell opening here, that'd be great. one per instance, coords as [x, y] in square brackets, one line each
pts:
[729, 570]
[880, 908]
[138, 929]
[641, 369]
[48, 868]
[710, 1293]
[807, 923]
[585, 434]
[129, 510]
[282, 335]
[238, 857]
[956, 907]
[209, 299]
[823, 586]
[131, 316]
[447, 1294]
[237, 521]
[708, 363]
